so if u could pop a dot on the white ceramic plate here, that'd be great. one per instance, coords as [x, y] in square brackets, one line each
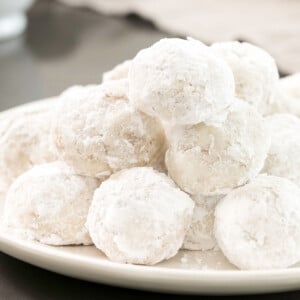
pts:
[191, 272]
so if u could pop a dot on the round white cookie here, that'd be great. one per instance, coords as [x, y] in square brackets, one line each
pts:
[98, 132]
[287, 96]
[49, 203]
[181, 82]
[284, 155]
[139, 216]
[120, 71]
[3, 190]
[257, 226]
[25, 138]
[200, 235]
[211, 160]
[255, 72]
[114, 90]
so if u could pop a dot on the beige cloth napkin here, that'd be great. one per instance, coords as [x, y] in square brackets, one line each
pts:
[271, 24]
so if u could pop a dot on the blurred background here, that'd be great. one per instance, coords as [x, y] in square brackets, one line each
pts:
[48, 45]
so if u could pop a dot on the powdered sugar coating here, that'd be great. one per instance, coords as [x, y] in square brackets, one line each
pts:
[287, 96]
[181, 82]
[3, 190]
[98, 132]
[114, 90]
[255, 72]
[25, 138]
[284, 155]
[257, 226]
[49, 203]
[120, 71]
[139, 216]
[209, 159]
[200, 235]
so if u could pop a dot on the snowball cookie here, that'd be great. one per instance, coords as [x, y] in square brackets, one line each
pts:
[116, 90]
[180, 81]
[139, 216]
[284, 155]
[200, 235]
[255, 72]
[25, 138]
[118, 72]
[49, 203]
[257, 226]
[287, 96]
[3, 190]
[98, 132]
[206, 159]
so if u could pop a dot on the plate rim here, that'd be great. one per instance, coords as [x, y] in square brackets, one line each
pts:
[41, 249]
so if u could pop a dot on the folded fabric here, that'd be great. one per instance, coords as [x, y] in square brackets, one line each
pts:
[272, 24]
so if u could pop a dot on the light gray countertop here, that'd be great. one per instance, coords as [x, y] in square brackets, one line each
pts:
[64, 46]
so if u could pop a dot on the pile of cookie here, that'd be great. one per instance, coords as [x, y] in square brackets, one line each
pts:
[183, 147]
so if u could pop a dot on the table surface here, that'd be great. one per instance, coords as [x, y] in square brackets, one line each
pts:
[64, 46]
